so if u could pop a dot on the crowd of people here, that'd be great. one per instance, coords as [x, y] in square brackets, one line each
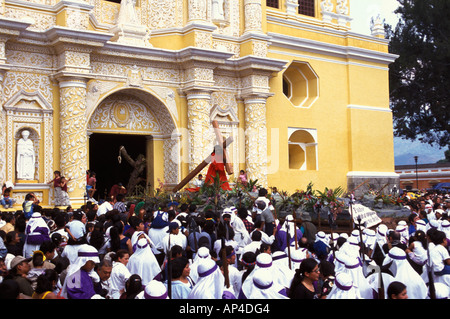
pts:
[114, 249]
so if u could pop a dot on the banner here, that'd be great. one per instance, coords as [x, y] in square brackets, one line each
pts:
[368, 217]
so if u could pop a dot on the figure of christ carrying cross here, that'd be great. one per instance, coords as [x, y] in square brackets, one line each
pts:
[218, 161]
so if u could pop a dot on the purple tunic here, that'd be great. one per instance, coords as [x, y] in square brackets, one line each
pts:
[80, 286]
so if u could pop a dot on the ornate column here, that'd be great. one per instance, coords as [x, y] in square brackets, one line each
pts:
[254, 40]
[74, 143]
[199, 125]
[256, 138]
[199, 27]
[197, 10]
[3, 128]
[252, 16]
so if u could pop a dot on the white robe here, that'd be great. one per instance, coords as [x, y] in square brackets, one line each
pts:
[118, 279]
[143, 262]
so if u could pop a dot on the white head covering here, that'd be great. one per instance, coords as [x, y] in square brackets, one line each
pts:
[202, 255]
[280, 262]
[380, 237]
[36, 221]
[370, 238]
[154, 290]
[402, 229]
[339, 261]
[445, 227]
[442, 290]
[421, 225]
[263, 260]
[434, 223]
[85, 253]
[321, 236]
[355, 234]
[343, 288]
[297, 256]
[135, 238]
[351, 247]
[403, 272]
[381, 234]
[289, 226]
[263, 286]
[241, 235]
[211, 282]
[353, 267]
[143, 262]
[343, 235]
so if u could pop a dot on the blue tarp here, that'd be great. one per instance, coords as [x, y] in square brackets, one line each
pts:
[442, 186]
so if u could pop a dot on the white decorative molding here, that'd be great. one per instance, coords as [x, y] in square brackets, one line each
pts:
[292, 7]
[369, 108]
[372, 174]
[340, 51]
[326, 7]
[377, 26]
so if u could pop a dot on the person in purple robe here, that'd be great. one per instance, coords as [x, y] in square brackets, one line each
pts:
[79, 281]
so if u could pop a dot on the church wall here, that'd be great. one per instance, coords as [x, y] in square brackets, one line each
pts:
[233, 70]
[351, 114]
[327, 115]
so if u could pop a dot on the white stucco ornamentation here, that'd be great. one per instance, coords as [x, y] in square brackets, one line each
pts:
[198, 127]
[73, 149]
[256, 140]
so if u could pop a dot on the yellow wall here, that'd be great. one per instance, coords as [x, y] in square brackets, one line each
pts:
[351, 116]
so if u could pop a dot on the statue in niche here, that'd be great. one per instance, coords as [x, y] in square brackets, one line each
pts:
[218, 9]
[127, 13]
[25, 157]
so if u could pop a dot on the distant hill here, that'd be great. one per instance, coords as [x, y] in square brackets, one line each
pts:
[404, 152]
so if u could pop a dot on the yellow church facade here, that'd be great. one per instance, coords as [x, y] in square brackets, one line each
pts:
[304, 98]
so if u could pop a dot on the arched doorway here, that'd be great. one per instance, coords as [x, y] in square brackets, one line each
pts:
[140, 122]
[104, 161]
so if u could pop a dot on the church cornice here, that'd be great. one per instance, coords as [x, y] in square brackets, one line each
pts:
[328, 49]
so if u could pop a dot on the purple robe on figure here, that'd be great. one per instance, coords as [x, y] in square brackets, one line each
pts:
[80, 286]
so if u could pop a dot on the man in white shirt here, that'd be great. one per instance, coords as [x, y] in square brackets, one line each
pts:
[199, 182]
[439, 254]
[175, 238]
[106, 206]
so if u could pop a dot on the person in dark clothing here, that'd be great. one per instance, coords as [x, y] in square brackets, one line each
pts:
[303, 284]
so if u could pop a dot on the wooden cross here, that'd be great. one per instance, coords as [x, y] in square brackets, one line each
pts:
[221, 147]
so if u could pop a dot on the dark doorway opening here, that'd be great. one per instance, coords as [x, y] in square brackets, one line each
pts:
[103, 159]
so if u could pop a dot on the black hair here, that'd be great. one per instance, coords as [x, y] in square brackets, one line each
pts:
[38, 259]
[307, 265]
[9, 289]
[120, 253]
[47, 246]
[395, 288]
[178, 265]
[262, 192]
[256, 235]
[44, 282]
[97, 238]
[114, 233]
[133, 286]
[249, 261]
[184, 207]
[242, 212]
[326, 268]
[438, 237]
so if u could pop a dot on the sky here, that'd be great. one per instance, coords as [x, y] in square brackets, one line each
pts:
[362, 11]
